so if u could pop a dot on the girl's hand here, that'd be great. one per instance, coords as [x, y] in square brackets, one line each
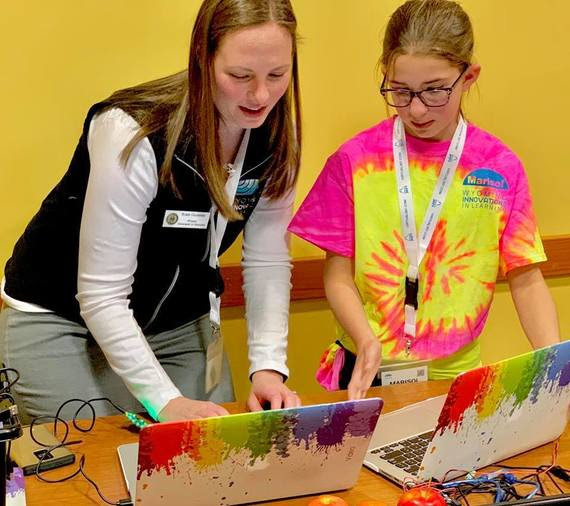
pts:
[346, 304]
[182, 408]
[368, 358]
[267, 388]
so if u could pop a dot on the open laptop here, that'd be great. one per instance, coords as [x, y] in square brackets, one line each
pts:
[489, 414]
[250, 457]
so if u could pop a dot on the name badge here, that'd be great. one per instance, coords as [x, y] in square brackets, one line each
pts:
[415, 374]
[214, 363]
[186, 219]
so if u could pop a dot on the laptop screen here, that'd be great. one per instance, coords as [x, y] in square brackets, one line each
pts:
[502, 409]
[490, 413]
[255, 456]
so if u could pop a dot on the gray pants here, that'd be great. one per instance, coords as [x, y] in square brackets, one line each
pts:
[59, 360]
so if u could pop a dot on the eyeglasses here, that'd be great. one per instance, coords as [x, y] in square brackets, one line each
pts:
[430, 97]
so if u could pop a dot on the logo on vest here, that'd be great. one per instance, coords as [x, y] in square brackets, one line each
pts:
[247, 187]
[246, 195]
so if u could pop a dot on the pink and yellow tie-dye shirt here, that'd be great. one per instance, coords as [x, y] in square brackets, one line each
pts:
[487, 223]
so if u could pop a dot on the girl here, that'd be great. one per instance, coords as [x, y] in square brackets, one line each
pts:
[418, 213]
[115, 281]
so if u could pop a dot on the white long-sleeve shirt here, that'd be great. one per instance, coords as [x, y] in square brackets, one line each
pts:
[114, 212]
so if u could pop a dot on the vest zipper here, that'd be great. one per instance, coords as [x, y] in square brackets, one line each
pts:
[164, 297]
[258, 165]
[190, 167]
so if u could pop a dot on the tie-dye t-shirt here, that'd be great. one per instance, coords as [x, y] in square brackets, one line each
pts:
[486, 224]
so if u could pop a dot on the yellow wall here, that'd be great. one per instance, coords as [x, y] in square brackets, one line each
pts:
[59, 57]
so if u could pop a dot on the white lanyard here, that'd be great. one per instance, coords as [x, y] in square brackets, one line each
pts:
[417, 247]
[217, 229]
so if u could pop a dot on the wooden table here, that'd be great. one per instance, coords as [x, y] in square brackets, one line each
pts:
[102, 464]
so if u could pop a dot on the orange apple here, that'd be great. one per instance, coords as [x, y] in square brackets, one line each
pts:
[326, 500]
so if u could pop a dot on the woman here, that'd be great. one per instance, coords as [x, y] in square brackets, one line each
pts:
[117, 278]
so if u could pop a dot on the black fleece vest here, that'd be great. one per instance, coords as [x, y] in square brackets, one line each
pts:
[171, 282]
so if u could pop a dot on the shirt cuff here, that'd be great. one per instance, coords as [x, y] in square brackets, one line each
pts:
[272, 365]
[154, 399]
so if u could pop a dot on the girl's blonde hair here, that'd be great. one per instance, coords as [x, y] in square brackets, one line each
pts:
[183, 104]
[438, 28]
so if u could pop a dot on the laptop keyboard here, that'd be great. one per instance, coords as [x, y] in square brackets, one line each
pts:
[406, 454]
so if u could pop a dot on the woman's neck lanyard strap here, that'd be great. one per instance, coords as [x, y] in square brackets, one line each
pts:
[416, 247]
[218, 225]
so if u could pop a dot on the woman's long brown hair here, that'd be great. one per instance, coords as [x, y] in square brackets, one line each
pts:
[183, 104]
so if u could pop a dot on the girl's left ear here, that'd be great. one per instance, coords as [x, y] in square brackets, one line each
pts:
[471, 75]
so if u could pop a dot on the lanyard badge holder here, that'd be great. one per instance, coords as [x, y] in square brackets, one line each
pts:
[415, 244]
[218, 223]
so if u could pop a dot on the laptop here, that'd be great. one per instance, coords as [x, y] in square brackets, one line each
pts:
[490, 413]
[248, 457]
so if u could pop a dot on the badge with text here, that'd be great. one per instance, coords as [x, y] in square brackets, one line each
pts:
[186, 219]
[214, 361]
[399, 376]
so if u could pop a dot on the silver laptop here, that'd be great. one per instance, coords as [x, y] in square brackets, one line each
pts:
[490, 413]
[250, 457]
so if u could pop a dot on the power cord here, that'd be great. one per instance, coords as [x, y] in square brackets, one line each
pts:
[56, 419]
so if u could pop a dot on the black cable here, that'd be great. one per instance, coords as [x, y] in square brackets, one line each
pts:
[464, 497]
[560, 473]
[84, 403]
[5, 370]
[44, 419]
[9, 465]
[6, 384]
[542, 489]
[504, 488]
[64, 443]
[6, 395]
[554, 482]
[504, 466]
[549, 470]
[79, 470]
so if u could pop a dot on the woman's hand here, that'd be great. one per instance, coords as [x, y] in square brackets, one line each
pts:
[267, 387]
[182, 408]
[368, 358]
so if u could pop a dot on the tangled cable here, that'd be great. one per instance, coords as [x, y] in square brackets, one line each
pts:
[56, 419]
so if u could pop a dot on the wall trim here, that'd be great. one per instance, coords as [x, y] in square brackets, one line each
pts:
[307, 278]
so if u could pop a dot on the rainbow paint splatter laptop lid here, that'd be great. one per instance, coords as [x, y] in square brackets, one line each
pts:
[250, 457]
[490, 413]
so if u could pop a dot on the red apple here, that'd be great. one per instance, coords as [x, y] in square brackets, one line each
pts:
[422, 496]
